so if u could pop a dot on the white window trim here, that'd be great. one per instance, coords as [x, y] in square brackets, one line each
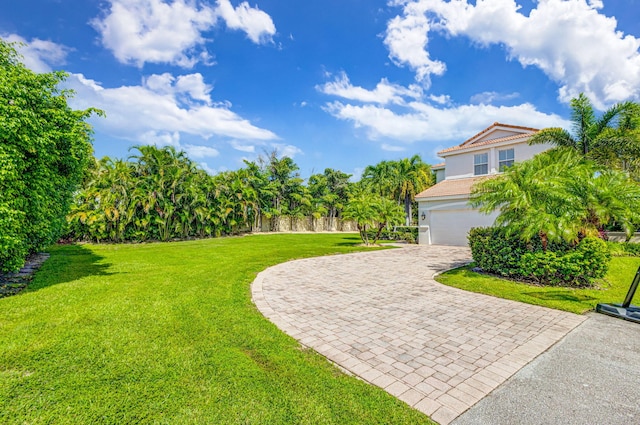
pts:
[476, 164]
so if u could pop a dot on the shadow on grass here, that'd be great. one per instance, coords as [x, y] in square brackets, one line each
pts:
[350, 241]
[559, 296]
[66, 264]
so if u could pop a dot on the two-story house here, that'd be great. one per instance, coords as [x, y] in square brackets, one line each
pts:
[444, 214]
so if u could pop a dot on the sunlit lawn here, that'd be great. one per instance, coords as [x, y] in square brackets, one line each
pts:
[167, 333]
[612, 289]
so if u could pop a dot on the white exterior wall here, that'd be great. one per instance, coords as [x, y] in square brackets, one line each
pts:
[461, 165]
[448, 221]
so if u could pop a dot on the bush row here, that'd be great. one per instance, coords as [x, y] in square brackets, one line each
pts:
[399, 233]
[561, 264]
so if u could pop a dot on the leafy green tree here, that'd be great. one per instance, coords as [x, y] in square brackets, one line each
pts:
[400, 180]
[388, 213]
[329, 192]
[615, 128]
[558, 195]
[414, 176]
[45, 149]
[371, 210]
[362, 210]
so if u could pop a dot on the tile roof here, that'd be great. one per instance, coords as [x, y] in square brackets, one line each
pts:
[452, 187]
[497, 124]
[486, 142]
[438, 166]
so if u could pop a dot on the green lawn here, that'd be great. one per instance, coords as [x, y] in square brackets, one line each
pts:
[167, 333]
[612, 290]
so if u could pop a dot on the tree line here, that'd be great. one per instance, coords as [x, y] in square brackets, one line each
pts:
[158, 193]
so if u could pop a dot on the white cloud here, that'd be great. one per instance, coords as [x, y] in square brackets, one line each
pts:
[160, 138]
[569, 40]
[407, 40]
[443, 99]
[488, 97]
[139, 31]
[392, 148]
[189, 88]
[208, 169]
[162, 105]
[199, 151]
[257, 24]
[38, 55]
[384, 93]
[286, 150]
[243, 147]
[422, 122]
[160, 31]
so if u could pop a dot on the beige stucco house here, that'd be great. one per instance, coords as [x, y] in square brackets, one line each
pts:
[444, 215]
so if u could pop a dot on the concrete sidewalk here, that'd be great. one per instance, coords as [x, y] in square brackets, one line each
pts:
[592, 376]
[381, 316]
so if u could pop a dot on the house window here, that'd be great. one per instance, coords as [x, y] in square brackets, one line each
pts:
[480, 164]
[505, 159]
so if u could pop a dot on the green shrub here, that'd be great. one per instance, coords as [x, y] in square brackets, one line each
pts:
[495, 251]
[400, 233]
[624, 249]
[45, 150]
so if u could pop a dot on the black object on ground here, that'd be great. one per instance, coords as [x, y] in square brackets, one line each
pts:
[625, 310]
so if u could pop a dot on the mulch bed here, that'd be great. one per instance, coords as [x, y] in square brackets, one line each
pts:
[12, 283]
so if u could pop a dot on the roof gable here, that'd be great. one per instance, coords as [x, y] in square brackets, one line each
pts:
[495, 133]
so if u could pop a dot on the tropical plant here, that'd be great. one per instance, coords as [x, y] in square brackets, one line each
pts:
[372, 211]
[45, 149]
[400, 180]
[558, 195]
[612, 135]
[388, 214]
[362, 210]
[329, 192]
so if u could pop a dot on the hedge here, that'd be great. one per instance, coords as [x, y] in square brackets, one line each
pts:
[45, 148]
[399, 233]
[495, 251]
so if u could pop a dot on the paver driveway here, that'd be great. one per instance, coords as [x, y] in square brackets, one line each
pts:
[381, 316]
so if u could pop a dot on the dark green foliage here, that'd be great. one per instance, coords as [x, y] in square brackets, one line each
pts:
[45, 148]
[160, 194]
[561, 264]
[398, 233]
[399, 180]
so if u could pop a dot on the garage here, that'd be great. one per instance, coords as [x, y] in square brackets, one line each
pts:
[451, 227]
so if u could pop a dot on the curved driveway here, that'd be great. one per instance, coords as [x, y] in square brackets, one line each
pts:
[381, 316]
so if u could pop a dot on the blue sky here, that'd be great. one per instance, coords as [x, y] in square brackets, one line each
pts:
[334, 83]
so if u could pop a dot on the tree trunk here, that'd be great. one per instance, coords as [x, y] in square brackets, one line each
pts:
[407, 210]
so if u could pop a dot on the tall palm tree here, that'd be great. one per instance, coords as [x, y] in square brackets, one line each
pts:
[588, 132]
[413, 176]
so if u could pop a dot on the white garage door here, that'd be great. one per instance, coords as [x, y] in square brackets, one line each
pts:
[450, 227]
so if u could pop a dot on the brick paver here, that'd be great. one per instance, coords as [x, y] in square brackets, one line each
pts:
[381, 316]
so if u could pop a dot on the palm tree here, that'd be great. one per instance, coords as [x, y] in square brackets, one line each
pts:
[388, 213]
[588, 131]
[413, 176]
[400, 180]
[558, 195]
[362, 210]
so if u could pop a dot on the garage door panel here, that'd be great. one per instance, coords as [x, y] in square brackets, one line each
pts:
[451, 227]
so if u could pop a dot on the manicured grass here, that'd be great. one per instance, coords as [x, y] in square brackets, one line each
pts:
[612, 290]
[167, 333]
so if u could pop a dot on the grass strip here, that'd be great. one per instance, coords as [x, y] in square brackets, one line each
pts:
[612, 289]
